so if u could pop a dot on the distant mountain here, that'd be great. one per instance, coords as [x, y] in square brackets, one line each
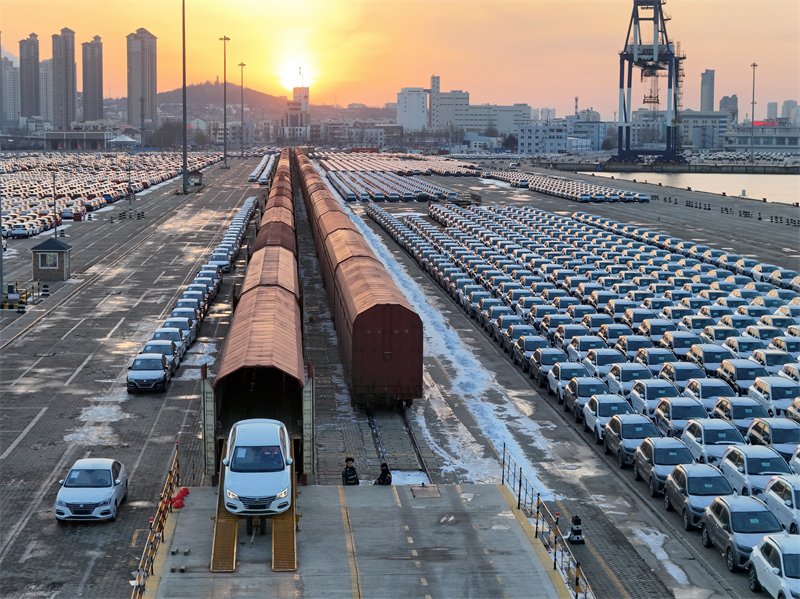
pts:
[210, 94]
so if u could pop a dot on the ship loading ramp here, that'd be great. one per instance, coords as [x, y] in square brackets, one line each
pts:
[367, 541]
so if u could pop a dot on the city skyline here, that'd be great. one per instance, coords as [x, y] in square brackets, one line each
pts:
[577, 50]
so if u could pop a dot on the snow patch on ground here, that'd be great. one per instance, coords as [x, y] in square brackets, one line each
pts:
[409, 478]
[495, 182]
[103, 413]
[655, 542]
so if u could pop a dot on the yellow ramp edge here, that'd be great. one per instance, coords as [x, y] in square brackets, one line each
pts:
[284, 533]
[226, 529]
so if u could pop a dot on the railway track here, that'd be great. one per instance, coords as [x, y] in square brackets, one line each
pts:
[391, 431]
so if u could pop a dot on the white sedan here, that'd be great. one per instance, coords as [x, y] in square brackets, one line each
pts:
[93, 490]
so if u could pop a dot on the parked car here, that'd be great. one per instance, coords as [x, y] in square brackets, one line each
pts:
[742, 347]
[621, 377]
[740, 374]
[679, 342]
[691, 488]
[578, 391]
[781, 434]
[782, 496]
[775, 393]
[750, 467]
[773, 566]
[173, 334]
[599, 410]
[654, 358]
[656, 458]
[680, 373]
[739, 411]
[772, 360]
[645, 395]
[624, 433]
[672, 415]
[708, 439]
[598, 362]
[149, 372]
[734, 525]
[522, 350]
[560, 376]
[708, 356]
[93, 489]
[257, 465]
[708, 391]
[168, 348]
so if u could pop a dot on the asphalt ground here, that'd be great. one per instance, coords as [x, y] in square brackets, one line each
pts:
[63, 378]
[634, 547]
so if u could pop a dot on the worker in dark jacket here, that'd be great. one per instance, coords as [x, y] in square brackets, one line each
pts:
[349, 474]
[386, 476]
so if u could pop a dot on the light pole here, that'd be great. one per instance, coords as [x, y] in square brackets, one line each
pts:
[225, 39]
[55, 216]
[185, 178]
[241, 64]
[753, 112]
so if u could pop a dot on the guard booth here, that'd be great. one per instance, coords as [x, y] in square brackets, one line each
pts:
[195, 178]
[51, 261]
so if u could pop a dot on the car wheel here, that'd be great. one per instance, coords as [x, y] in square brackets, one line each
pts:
[621, 459]
[576, 414]
[585, 426]
[652, 487]
[113, 517]
[687, 521]
[249, 525]
[636, 474]
[262, 525]
[566, 406]
[705, 539]
[559, 396]
[752, 579]
[730, 561]
[597, 438]
[667, 503]
[549, 390]
[125, 496]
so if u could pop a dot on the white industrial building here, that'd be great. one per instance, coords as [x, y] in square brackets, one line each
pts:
[766, 136]
[412, 109]
[542, 138]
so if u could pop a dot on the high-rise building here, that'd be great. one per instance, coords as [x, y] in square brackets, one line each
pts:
[11, 92]
[707, 91]
[300, 95]
[730, 104]
[2, 100]
[787, 108]
[772, 111]
[412, 108]
[46, 90]
[29, 76]
[65, 80]
[142, 79]
[444, 105]
[93, 79]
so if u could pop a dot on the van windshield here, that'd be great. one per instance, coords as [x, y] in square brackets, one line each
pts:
[257, 458]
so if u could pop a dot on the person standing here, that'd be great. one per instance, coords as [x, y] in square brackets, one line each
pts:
[386, 476]
[349, 474]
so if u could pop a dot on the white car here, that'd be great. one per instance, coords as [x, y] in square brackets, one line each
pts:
[645, 395]
[750, 467]
[93, 490]
[621, 377]
[709, 439]
[794, 462]
[774, 566]
[258, 479]
[782, 497]
[599, 410]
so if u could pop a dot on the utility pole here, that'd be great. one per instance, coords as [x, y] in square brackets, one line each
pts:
[241, 64]
[225, 39]
[753, 112]
[55, 216]
[185, 177]
[141, 111]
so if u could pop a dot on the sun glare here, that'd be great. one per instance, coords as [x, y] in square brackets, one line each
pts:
[290, 75]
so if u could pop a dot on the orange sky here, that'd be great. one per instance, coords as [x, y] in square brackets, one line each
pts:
[540, 52]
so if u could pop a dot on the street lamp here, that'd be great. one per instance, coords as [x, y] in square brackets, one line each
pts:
[225, 39]
[185, 175]
[241, 64]
[753, 112]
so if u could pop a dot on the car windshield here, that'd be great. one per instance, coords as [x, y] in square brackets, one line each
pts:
[761, 522]
[683, 342]
[786, 435]
[784, 392]
[791, 565]
[589, 389]
[147, 364]
[658, 358]
[639, 431]
[716, 389]
[631, 374]
[605, 359]
[749, 412]
[673, 456]
[750, 373]
[778, 359]
[609, 409]
[713, 356]
[572, 370]
[158, 349]
[749, 346]
[91, 478]
[550, 359]
[709, 486]
[532, 344]
[724, 436]
[684, 373]
[666, 390]
[767, 465]
[257, 458]
[687, 412]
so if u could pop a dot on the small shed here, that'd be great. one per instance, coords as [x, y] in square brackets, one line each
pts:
[51, 260]
[195, 178]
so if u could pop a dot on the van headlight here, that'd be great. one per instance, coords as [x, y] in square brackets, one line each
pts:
[282, 494]
[231, 494]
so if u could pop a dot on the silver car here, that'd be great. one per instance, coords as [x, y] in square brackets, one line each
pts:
[691, 488]
[93, 490]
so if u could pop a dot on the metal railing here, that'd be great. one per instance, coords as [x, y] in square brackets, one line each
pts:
[28, 294]
[156, 532]
[546, 526]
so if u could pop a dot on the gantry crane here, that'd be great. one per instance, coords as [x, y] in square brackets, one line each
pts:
[653, 57]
